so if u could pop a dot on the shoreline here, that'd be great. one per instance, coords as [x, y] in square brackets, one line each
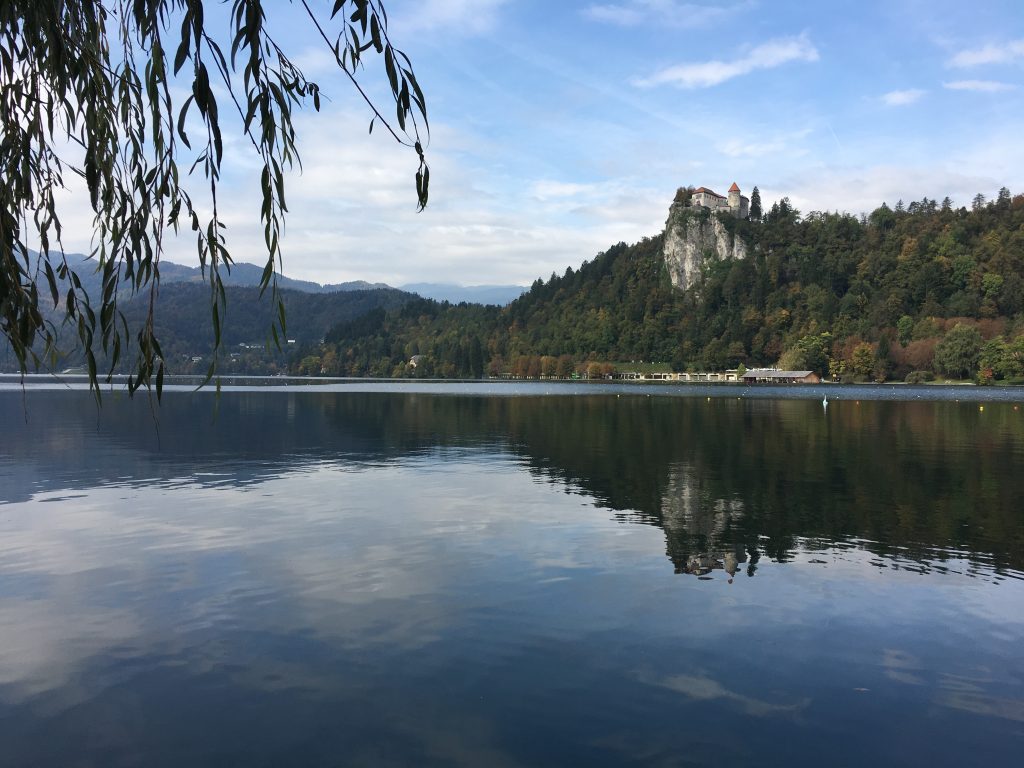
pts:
[835, 392]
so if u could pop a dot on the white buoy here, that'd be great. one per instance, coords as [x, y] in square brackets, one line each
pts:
[824, 403]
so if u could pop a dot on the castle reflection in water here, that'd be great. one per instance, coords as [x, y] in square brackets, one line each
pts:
[699, 528]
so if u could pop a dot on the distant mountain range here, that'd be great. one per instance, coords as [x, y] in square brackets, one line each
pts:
[472, 294]
[248, 276]
[244, 275]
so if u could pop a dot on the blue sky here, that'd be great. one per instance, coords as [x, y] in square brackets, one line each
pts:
[561, 128]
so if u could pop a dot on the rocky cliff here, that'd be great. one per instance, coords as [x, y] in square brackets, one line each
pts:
[693, 235]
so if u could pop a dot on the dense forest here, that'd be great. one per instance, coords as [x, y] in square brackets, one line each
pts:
[907, 291]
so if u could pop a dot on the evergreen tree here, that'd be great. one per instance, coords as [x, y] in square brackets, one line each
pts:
[755, 205]
[476, 358]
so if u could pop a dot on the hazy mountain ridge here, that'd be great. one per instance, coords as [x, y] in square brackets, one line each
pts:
[245, 275]
[499, 295]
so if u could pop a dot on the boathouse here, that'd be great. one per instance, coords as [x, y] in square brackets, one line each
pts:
[772, 376]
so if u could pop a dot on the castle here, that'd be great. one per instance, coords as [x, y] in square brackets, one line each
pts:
[735, 203]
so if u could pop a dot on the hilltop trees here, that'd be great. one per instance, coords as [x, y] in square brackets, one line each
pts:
[94, 90]
[683, 195]
[755, 205]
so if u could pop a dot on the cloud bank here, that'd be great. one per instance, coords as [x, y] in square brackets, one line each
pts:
[769, 55]
[902, 98]
[1001, 53]
[980, 86]
[664, 12]
[457, 17]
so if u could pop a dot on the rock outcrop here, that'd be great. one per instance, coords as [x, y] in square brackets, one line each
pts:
[692, 236]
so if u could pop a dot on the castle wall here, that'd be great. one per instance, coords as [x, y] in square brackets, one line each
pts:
[735, 203]
[708, 200]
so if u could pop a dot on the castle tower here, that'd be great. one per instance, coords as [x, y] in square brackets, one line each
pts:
[734, 198]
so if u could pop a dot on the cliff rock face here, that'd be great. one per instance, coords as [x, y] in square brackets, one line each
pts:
[693, 235]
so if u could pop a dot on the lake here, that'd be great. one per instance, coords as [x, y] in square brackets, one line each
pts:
[468, 575]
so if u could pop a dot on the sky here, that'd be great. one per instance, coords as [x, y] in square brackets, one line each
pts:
[561, 128]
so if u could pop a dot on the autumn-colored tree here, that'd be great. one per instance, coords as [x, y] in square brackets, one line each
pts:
[862, 360]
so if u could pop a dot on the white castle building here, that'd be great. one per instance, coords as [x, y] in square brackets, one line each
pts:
[735, 203]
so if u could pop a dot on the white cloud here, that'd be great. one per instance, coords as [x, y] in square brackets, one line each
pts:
[622, 15]
[791, 144]
[472, 17]
[671, 12]
[902, 98]
[316, 61]
[1002, 53]
[769, 55]
[982, 86]
[352, 211]
[547, 189]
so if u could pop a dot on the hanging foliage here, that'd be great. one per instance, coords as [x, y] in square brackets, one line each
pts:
[113, 92]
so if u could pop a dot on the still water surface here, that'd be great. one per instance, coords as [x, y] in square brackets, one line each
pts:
[359, 578]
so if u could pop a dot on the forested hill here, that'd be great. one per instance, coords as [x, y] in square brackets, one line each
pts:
[184, 328]
[620, 303]
[183, 315]
[917, 288]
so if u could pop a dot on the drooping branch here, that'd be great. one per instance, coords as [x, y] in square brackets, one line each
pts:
[88, 86]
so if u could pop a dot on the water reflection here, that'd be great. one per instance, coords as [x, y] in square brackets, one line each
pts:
[914, 481]
[387, 580]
